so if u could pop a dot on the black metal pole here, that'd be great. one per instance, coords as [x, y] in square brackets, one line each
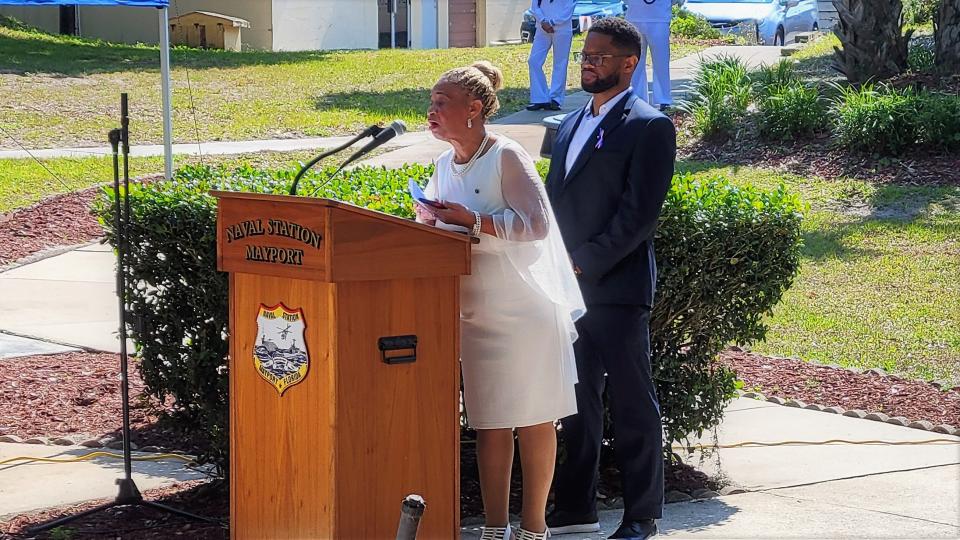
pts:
[122, 220]
[410, 513]
[128, 494]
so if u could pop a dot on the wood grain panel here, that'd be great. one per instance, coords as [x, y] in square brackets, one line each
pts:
[260, 220]
[367, 249]
[281, 447]
[463, 23]
[401, 421]
[355, 244]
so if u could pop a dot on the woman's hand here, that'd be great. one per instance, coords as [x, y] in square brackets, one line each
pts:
[455, 214]
[424, 214]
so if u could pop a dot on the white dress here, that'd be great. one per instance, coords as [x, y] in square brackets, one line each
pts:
[518, 306]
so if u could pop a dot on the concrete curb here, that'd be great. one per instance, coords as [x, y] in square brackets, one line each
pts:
[876, 416]
[102, 443]
[41, 255]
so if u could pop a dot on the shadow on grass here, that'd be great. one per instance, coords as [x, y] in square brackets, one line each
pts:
[896, 205]
[26, 52]
[407, 103]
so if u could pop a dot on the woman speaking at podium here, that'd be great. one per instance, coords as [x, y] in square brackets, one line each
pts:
[519, 304]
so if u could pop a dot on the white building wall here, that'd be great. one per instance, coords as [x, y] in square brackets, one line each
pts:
[503, 18]
[302, 25]
[141, 24]
[42, 17]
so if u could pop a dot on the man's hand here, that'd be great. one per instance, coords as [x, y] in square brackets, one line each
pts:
[547, 27]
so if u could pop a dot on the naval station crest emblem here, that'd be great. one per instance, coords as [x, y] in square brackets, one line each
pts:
[280, 352]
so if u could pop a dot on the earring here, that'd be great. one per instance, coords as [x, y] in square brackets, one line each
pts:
[469, 123]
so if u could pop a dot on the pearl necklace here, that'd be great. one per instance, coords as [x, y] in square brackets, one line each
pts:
[459, 170]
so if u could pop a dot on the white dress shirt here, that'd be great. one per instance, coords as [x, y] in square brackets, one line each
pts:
[587, 126]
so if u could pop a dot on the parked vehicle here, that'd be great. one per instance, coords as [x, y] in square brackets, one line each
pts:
[595, 9]
[777, 21]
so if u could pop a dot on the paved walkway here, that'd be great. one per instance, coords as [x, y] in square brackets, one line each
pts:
[816, 491]
[26, 487]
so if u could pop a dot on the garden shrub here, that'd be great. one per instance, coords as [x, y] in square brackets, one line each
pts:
[792, 110]
[882, 120]
[726, 256]
[719, 97]
[769, 78]
[691, 26]
[939, 117]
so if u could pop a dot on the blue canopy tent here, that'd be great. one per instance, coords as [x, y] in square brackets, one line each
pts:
[161, 6]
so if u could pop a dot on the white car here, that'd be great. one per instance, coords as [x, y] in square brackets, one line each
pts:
[777, 21]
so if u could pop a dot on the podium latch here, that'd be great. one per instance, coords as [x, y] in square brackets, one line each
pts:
[398, 343]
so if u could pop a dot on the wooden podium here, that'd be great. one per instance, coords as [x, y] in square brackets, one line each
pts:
[344, 375]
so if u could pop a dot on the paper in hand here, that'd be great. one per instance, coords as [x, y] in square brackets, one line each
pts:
[420, 197]
[416, 192]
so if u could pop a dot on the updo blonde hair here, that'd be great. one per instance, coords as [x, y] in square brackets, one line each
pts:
[481, 80]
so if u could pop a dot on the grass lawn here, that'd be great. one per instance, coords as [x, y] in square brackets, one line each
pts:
[64, 91]
[880, 281]
[24, 182]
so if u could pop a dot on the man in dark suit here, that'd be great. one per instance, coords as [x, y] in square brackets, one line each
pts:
[611, 167]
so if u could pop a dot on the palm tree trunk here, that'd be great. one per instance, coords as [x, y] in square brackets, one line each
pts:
[947, 37]
[873, 45]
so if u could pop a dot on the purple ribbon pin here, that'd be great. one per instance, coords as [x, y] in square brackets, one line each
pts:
[600, 139]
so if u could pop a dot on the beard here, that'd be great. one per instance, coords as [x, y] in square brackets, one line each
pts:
[602, 84]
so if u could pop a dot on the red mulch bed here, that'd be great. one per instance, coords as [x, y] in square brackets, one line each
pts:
[62, 220]
[207, 499]
[821, 157]
[76, 395]
[870, 392]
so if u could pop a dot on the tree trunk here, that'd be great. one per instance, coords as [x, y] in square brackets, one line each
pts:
[946, 30]
[873, 45]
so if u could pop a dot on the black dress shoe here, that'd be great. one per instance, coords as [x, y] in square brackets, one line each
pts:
[561, 522]
[537, 106]
[553, 106]
[636, 530]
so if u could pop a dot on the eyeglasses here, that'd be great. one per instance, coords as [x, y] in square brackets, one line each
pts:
[595, 60]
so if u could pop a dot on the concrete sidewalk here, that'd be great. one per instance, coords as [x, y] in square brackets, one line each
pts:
[816, 491]
[69, 299]
[212, 148]
[26, 487]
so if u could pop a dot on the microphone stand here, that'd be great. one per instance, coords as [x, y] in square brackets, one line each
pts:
[128, 494]
[370, 131]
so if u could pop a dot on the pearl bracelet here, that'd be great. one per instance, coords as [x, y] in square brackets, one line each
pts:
[476, 225]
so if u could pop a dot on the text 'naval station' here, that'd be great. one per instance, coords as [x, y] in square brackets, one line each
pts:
[274, 227]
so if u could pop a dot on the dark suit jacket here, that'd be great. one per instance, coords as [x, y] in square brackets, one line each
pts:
[608, 204]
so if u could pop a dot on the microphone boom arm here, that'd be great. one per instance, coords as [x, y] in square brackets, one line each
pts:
[372, 130]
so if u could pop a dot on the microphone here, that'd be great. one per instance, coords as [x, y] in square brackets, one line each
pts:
[397, 127]
[372, 130]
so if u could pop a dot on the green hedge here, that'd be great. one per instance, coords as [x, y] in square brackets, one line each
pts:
[688, 25]
[726, 256]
